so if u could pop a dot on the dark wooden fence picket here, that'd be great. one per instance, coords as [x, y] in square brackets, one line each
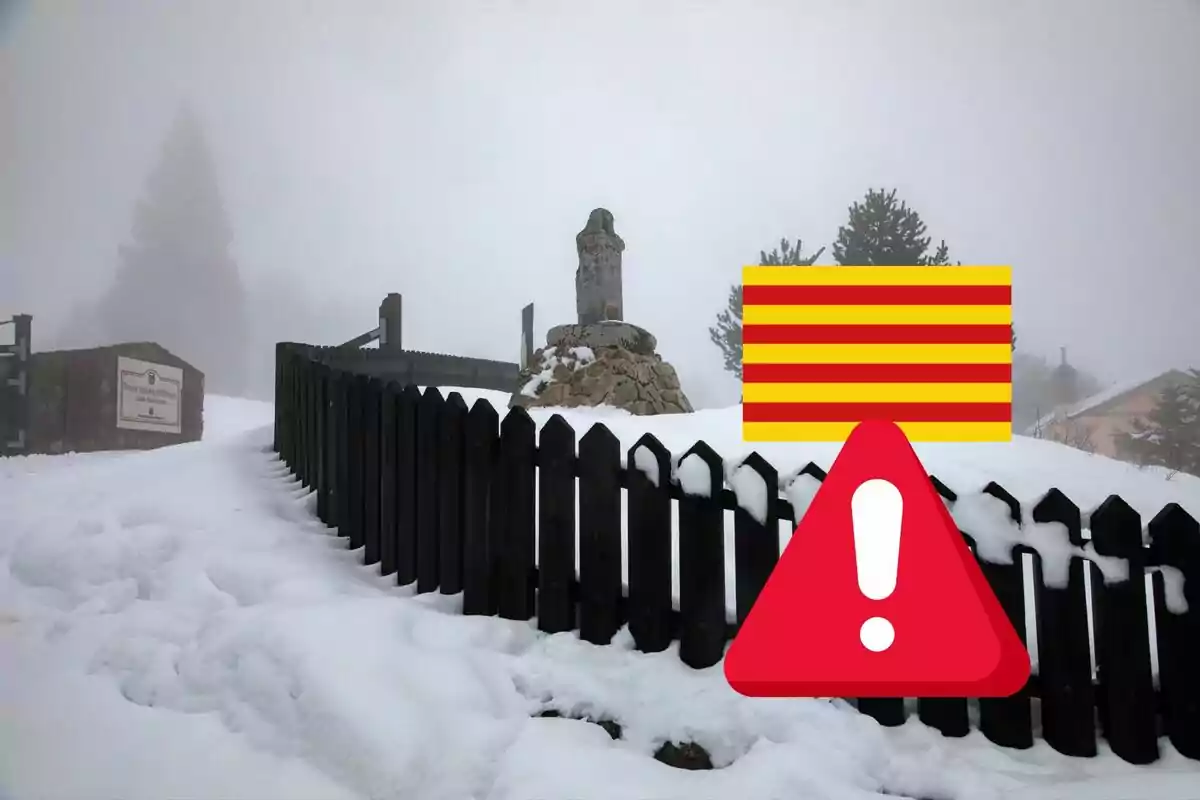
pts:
[330, 436]
[304, 390]
[283, 353]
[949, 715]
[343, 394]
[1008, 721]
[755, 540]
[388, 419]
[1123, 672]
[600, 589]
[287, 408]
[942, 489]
[556, 527]
[887, 711]
[1175, 544]
[1064, 649]
[312, 450]
[451, 433]
[355, 432]
[516, 475]
[372, 445]
[479, 453]
[648, 524]
[296, 423]
[429, 418]
[308, 453]
[702, 564]
[321, 376]
[299, 442]
[406, 485]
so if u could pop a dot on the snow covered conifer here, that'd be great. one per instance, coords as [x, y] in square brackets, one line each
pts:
[884, 232]
[727, 333]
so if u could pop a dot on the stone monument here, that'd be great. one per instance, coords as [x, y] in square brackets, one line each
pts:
[598, 277]
[600, 360]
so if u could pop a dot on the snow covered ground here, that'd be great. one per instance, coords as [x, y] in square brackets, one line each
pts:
[176, 624]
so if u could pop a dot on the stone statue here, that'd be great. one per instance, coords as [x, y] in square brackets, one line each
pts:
[602, 359]
[598, 278]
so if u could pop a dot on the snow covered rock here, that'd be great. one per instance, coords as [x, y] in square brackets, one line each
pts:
[609, 363]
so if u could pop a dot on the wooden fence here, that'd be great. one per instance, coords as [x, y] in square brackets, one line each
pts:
[444, 497]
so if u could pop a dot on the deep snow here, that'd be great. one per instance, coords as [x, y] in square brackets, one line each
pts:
[176, 624]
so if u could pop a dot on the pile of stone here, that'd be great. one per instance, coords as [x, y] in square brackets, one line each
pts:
[602, 360]
[607, 363]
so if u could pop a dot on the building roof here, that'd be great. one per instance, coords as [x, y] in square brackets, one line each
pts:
[1107, 398]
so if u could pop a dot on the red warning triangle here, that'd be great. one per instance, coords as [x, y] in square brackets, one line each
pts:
[805, 635]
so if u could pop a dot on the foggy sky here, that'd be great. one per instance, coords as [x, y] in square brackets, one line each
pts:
[451, 151]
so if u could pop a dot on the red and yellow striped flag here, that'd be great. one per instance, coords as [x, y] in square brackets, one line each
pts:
[824, 348]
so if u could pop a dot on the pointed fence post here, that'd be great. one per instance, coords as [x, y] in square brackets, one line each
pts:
[429, 416]
[479, 452]
[1175, 545]
[1064, 644]
[557, 593]
[701, 558]
[406, 485]
[1123, 672]
[648, 511]
[755, 530]
[1008, 721]
[600, 597]
[516, 476]
[388, 422]
[452, 436]
[372, 445]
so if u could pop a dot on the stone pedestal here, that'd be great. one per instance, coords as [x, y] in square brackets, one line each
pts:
[609, 364]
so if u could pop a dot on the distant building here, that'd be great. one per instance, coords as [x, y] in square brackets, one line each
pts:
[1093, 423]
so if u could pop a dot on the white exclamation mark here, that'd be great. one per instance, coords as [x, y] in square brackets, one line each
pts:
[877, 511]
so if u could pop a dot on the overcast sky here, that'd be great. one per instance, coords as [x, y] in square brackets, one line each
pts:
[451, 151]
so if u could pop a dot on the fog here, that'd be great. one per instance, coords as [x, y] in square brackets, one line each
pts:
[451, 151]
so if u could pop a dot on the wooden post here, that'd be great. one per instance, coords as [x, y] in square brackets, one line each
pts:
[556, 527]
[514, 550]
[599, 535]
[429, 420]
[1008, 721]
[15, 440]
[702, 566]
[372, 410]
[1175, 543]
[390, 323]
[1125, 682]
[479, 592]
[526, 336]
[648, 519]
[451, 436]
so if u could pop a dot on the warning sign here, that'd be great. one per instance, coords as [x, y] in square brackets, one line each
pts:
[877, 594]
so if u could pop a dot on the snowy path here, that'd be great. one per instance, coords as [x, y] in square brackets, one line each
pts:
[175, 623]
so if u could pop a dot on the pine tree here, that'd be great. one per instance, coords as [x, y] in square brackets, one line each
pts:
[1169, 436]
[177, 284]
[727, 333]
[884, 232]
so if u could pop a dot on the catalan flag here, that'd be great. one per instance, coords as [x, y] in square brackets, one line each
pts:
[929, 348]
